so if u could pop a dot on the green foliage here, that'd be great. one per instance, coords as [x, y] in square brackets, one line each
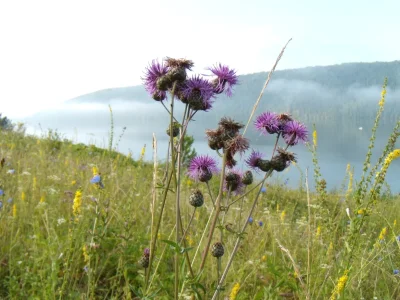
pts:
[188, 151]
[5, 123]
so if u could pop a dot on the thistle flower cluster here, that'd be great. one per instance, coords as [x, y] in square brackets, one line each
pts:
[283, 125]
[291, 130]
[228, 138]
[195, 90]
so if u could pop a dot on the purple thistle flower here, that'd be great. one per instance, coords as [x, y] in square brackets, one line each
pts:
[146, 252]
[267, 123]
[293, 132]
[154, 72]
[202, 168]
[198, 92]
[226, 79]
[253, 159]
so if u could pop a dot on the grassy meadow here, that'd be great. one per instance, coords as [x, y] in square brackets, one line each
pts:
[81, 222]
[47, 252]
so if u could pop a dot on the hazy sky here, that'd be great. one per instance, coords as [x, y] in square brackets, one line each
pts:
[51, 51]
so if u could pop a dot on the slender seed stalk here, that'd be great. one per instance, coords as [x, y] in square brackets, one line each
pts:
[188, 226]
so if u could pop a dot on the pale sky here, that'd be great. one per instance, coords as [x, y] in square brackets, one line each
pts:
[51, 51]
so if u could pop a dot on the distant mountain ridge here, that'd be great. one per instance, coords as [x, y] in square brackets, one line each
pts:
[339, 77]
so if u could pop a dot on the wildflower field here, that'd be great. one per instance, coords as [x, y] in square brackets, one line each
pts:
[80, 222]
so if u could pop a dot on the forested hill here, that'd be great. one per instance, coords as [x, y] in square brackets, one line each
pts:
[347, 92]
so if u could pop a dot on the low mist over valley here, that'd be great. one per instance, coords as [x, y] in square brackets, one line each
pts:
[341, 100]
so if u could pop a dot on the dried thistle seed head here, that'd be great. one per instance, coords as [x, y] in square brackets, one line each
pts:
[289, 156]
[144, 261]
[237, 144]
[229, 126]
[247, 178]
[217, 250]
[215, 143]
[282, 160]
[196, 198]
[179, 63]
[264, 165]
[175, 129]
[230, 161]
[214, 139]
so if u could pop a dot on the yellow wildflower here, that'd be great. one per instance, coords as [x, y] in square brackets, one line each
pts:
[394, 223]
[95, 171]
[23, 196]
[234, 291]
[330, 249]
[14, 211]
[76, 207]
[277, 207]
[361, 211]
[73, 182]
[142, 153]
[315, 137]
[189, 240]
[340, 285]
[383, 94]
[383, 233]
[189, 183]
[42, 199]
[318, 231]
[85, 254]
[264, 258]
[283, 215]
[350, 185]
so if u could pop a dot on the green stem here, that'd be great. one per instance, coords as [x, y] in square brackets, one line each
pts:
[217, 211]
[235, 249]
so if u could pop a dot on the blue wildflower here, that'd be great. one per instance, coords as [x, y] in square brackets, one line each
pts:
[398, 238]
[10, 200]
[263, 189]
[97, 180]
[12, 171]
[250, 220]
[260, 223]
[396, 272]
[1, 204]
[1, 192]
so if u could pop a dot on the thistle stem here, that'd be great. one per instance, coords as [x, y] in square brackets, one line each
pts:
[217, 211]
[235, 249]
